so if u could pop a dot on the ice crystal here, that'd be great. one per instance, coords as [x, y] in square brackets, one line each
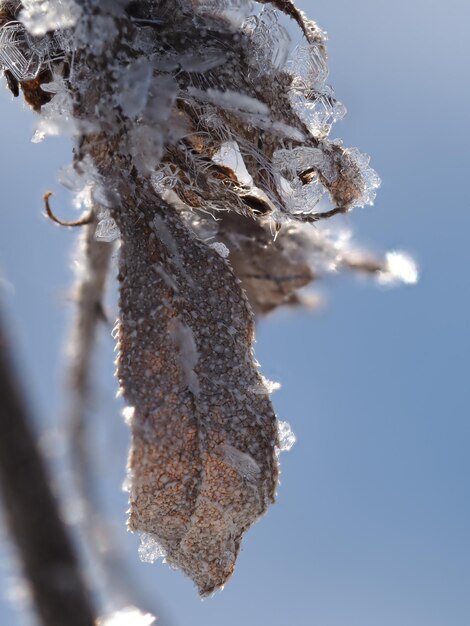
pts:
[128, 414]
[226, 13]
[129, 616]
[370, 179]
[399, 267]
[134, 86]
[286, 436]
[308, 67]
[150, 549]
[297, 160]
[317, 109]
[57, 115]
[41, 16]
[17, 53]
[229, 155]
[269, 41]
[299, 197]
[221, 248]
[107, 229]
[164, 179]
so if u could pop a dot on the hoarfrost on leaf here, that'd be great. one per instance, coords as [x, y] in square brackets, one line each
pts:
[195, 108]
[150, 549]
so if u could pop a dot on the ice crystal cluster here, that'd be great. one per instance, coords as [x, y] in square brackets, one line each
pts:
[202, 143]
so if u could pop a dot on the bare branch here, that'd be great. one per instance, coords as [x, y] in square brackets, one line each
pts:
[49, 561]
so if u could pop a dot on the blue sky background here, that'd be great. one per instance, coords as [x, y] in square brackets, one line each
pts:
[371, 526]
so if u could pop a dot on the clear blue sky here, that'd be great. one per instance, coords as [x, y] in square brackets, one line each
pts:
[371, 527]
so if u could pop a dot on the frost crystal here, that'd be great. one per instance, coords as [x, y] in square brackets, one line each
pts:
[17, 53]
[221, 248]
[299, 197]
[228, 13]
[269, 41]
[57, 115]
[128, 414]
[41, 16]
[298, 160]
[399, 267]
[286, 436]
[107, 229]
[370, 179]
[308, 67]
[229, 155]
[150, 549]
[134, 87]
[129, 616]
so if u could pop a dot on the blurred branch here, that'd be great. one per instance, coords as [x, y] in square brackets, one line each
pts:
[46, 552]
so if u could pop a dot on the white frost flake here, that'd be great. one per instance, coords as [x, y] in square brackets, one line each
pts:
[129, 616]
[41, 16]
[128, 414]
[230, 100]
[399, 267]
[107, 229]
[286, 436]
[220, 248]
[150, 550]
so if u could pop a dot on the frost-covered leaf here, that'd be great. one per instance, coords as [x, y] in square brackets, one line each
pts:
[202, 141]
[202, 464]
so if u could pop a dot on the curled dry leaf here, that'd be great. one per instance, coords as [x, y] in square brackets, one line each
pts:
[203, 463]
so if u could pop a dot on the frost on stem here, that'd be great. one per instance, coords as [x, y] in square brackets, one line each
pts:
[205, 134]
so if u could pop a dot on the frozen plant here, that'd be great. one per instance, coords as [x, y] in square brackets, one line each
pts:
[205, 139]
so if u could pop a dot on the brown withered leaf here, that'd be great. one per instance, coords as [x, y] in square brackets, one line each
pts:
[203, 463]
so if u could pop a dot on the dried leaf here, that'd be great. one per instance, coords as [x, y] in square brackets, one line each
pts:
[203, 463]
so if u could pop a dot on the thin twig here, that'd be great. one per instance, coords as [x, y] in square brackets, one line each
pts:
[86, 219]
[49, 562]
